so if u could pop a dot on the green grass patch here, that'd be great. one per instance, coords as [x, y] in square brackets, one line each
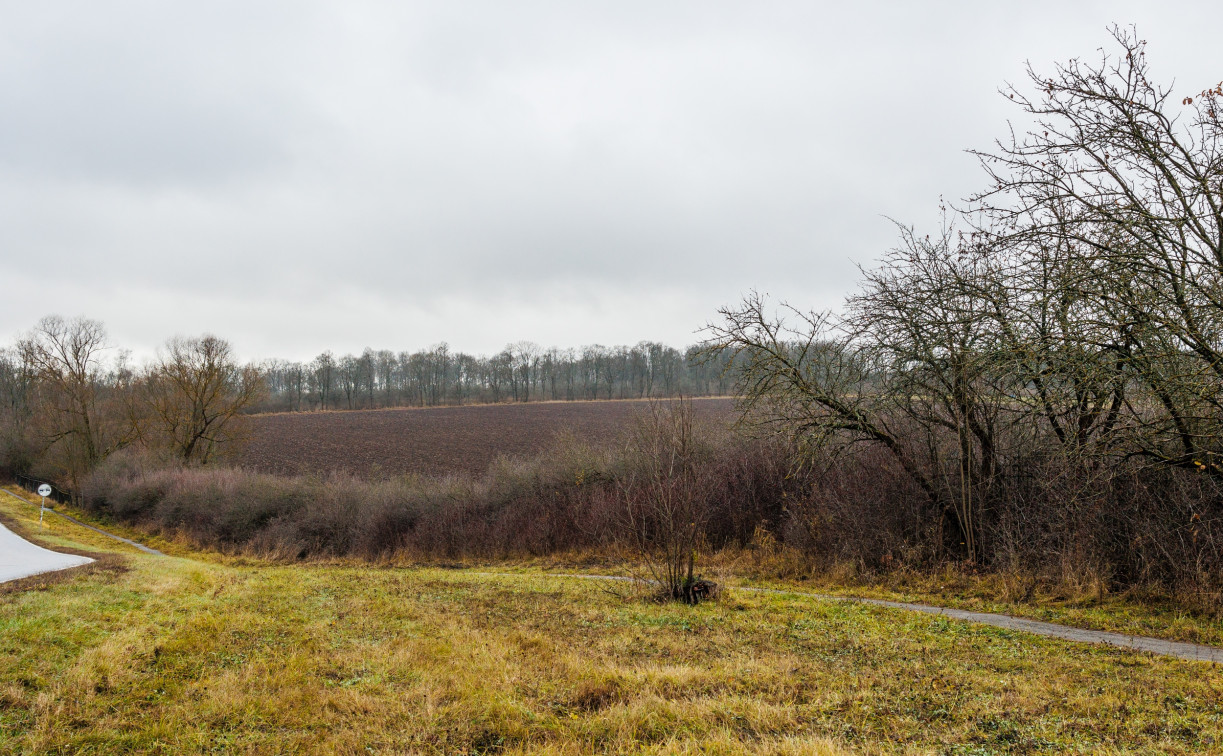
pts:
[180, 655]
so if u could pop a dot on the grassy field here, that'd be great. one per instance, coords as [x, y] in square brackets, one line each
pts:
[197, 654]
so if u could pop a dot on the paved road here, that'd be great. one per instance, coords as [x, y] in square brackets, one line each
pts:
[19, 558]
[1191, 651]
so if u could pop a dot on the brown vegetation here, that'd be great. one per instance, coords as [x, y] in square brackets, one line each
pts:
[570, 498]
[1048, 382]
[65, 408]
[1051, 524]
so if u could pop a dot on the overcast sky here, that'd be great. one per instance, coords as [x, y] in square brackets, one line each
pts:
[296, 176]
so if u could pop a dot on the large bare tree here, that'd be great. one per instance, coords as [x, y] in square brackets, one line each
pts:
[76, 414]
[195, 393]
[1082, 312]
[1114, 193]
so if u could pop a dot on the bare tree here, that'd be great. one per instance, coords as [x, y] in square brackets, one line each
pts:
[348, 369]
[524, 357]
[17, 382]
[1129, 194]
[196, 392]
[666, 498]
[322, 375]
[1082, 313]
[78, 418]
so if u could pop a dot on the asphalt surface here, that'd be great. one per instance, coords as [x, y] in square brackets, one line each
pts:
[19, 558]
[1191, 651]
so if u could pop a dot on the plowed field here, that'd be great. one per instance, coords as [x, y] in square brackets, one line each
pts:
[439, 440]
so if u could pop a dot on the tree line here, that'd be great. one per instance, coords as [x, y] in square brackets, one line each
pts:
[522, 372]
[69, 400]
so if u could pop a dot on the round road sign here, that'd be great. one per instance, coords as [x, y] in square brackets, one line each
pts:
[44, 490]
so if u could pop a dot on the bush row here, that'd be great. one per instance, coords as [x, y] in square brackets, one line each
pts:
[570, 499]
[1134, 526]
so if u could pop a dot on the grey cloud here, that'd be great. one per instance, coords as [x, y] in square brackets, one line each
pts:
[134, 94]
[377, 172]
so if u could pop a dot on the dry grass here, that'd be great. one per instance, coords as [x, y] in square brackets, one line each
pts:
[182, 655]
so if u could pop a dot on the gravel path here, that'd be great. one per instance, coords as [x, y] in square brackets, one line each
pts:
[1180, 650]
[19, 558]
[1191, 651]
[70, 518]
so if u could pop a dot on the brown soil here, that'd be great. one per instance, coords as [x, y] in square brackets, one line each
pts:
[438, 440]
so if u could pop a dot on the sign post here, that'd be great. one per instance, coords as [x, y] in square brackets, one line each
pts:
[44, 491]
